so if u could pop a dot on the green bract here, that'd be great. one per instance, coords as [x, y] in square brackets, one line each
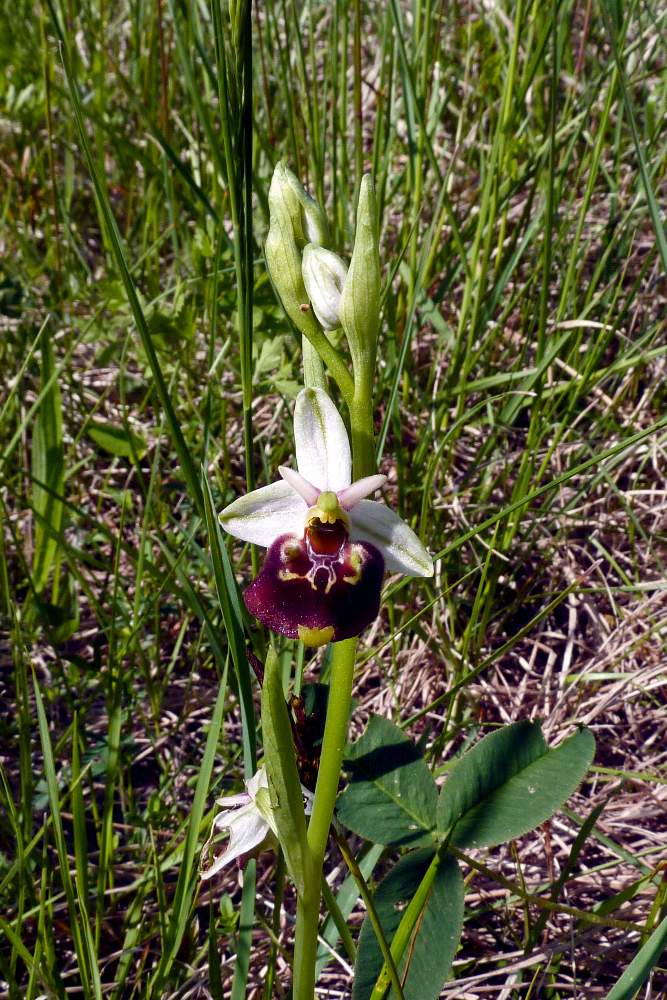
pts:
[360, 299]
[288, 195]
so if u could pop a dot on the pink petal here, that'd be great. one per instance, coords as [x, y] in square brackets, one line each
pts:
[300, 485]
[351, 496]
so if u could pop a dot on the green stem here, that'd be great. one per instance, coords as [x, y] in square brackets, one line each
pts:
[305, 942]
[326, 790]
[333, 745]
[361, 421]
[369, 902]
[335, 729]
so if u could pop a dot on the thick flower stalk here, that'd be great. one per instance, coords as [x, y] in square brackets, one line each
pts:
[328, 545]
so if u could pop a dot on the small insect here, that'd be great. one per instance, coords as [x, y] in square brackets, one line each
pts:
[307, 720]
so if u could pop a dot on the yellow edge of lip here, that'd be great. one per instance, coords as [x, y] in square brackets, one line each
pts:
[315, 636]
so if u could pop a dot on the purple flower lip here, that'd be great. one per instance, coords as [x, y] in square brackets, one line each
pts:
[317, 597]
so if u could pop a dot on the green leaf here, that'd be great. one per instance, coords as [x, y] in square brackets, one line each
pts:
[79, 923]
[346, 899]
[391, 798]
[230, 606]
[437, 933]
[640, 967]
[120, 441]
[284, 784]
[430, 942]
[509, 783]
[61, 619]
[48, 468]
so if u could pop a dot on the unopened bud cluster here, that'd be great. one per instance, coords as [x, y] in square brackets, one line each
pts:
[306, 273]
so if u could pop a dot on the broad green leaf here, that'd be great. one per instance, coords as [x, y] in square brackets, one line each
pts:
[640, 967]
[429, 944]
[284, 784]
[510, 783]
[117, 440]
[391, 797]
[489, 764]
[48, 468]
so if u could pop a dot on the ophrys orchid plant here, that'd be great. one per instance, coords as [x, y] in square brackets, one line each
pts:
[328, 547]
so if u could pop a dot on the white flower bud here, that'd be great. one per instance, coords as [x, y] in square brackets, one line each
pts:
[324, 275]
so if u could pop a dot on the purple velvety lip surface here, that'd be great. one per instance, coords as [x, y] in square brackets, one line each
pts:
[296, 587]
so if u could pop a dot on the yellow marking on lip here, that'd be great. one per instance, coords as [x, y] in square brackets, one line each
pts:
[357, 561]
[287, 575]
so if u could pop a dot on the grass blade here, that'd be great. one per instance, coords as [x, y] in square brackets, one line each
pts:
[187, 876]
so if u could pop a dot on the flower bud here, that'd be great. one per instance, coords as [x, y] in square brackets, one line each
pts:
[288, 195]
[294, 218]
[360, 298]
[324, 275]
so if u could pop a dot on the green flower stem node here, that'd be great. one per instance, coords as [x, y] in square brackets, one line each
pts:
[284, 785]
[360, 298]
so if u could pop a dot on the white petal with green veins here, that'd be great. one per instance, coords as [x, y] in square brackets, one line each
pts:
[322, 446]
[376, 523]
[261, 516]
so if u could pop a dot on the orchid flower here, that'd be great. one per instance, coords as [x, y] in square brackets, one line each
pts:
[249, 819]
[328, 545]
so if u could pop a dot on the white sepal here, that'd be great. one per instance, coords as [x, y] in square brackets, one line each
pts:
[261, 516]
[322, 447]
[378, 524]
[248, 818]
[245, 817]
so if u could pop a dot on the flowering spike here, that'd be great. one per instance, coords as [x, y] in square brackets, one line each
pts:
[327, 545]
